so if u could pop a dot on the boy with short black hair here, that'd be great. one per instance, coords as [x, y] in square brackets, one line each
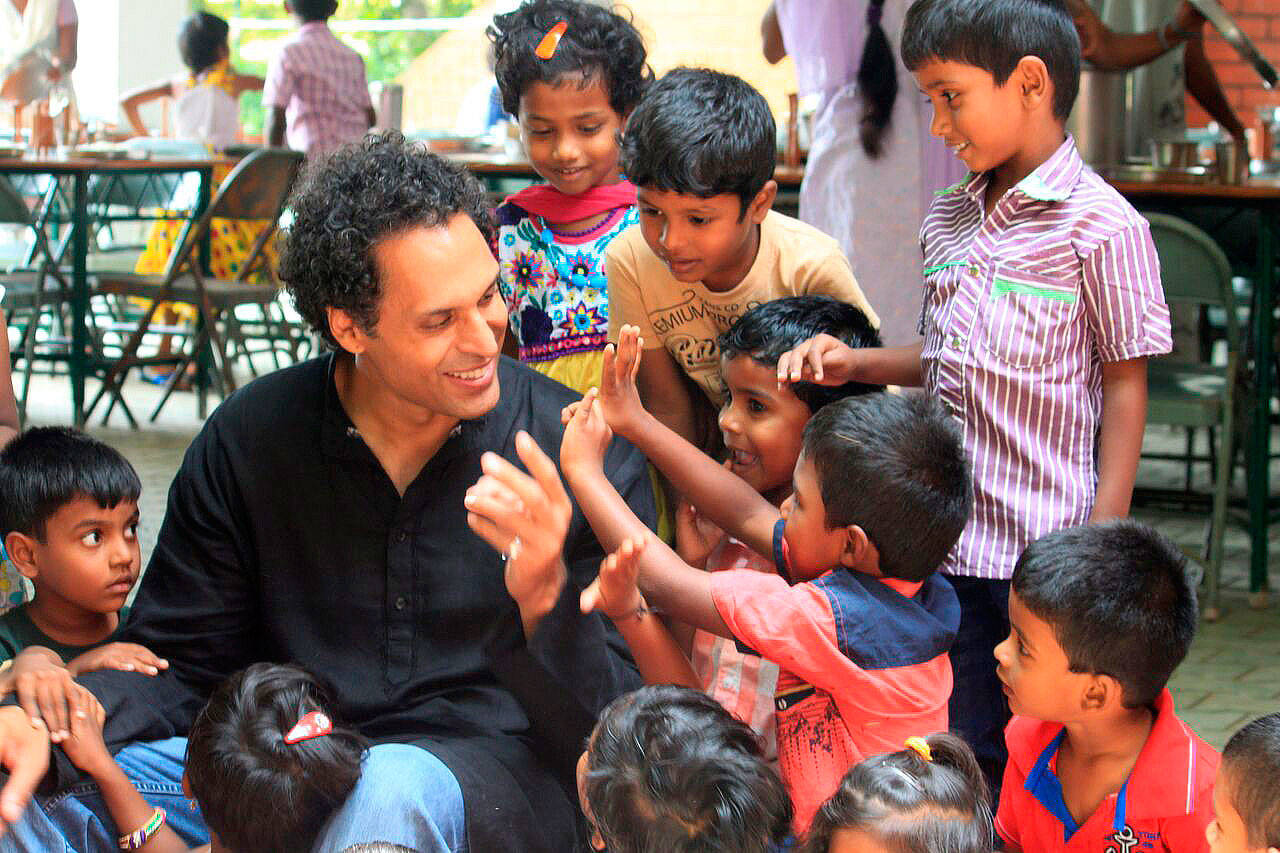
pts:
[1042, 302]
[69, 517]
[701, 149]
[1100, 617]
[315, 88]
[854, 615]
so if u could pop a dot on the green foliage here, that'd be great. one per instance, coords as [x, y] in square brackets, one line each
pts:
[386, 54]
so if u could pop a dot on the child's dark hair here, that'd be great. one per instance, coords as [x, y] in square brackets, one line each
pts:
[670, 771]
[377, 847]
[1118, 599]
[256, 791]
[597, 46]
[994, 35]
[314, 10]
[911, 804]
[893, 464]
[44, 468]
[1251, 766]
[770, 329]
[201, 39]
[703, 133]
[877, 82]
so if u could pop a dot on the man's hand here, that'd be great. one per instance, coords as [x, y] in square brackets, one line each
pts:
[526, 518]
[586, 438]
[129, 657]
[1188, 18]
[24, 753]
[614, 592]
[44, 689]
[823, 359]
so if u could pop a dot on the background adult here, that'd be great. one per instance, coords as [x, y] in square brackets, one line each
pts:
[319, 519]
[37, 46]
[873, 165]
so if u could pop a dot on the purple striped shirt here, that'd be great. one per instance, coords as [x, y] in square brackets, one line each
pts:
[1021, 309]
[320, 84]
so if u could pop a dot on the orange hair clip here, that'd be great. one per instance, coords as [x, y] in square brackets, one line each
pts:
[547, 47]
[920, 745]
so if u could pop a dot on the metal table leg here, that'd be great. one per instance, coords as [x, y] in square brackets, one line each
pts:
[1260, 435]
[78, 360]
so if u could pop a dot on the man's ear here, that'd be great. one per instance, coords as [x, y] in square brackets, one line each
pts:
[763, 202]
[345, 330]
[1035, 86]
[22, 553]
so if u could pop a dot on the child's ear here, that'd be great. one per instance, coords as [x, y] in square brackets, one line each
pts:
[22, 553]
[186, 787]
[1099, 692]
[763, 202]
[1035, 86]
[858, 550]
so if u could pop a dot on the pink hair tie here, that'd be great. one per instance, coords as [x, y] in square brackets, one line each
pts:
[314, 724]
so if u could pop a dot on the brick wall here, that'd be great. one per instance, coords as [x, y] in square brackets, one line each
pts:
[1260, 19]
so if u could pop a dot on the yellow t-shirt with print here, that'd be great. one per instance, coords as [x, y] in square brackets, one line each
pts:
[794, 259]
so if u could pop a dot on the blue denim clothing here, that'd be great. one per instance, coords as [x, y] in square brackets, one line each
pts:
[405, 796]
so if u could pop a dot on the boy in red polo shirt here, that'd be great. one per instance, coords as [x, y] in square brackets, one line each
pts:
[1098, 759]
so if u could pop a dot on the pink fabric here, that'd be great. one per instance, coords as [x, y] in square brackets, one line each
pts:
[743, 683]
[67, 13]
[320, 84]
[554, 206]
[853, 712]
[1021, 309]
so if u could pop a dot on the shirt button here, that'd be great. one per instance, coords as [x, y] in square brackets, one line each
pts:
[957, 342]
[401, 603]
[973, 269]
[401, 536]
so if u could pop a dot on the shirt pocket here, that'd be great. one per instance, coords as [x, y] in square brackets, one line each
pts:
[941, 280]
[1026, 315]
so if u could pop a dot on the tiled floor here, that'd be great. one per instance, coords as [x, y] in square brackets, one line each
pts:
[1231, 675]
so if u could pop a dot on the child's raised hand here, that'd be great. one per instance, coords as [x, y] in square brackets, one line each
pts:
[614, 592]
[129, 657]
[619, 398]
[586, 438]
[696, 535]
[823, 359]
[85, 747]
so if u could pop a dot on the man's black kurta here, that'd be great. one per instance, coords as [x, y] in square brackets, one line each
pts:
[285, 540]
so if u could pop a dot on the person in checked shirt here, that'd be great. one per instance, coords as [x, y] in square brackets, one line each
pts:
[1042, 302]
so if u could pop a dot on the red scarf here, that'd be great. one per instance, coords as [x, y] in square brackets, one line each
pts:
[554, 206]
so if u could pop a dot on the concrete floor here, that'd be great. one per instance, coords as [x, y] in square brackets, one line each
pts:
[1231, 675]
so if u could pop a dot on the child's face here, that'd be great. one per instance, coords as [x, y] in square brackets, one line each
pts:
[1226, 832]
[978, 120]
[813, 547]
[762, 425]
[90, 557]
[708, 240]
[1034, 668]
[855, 841]
[570, 133]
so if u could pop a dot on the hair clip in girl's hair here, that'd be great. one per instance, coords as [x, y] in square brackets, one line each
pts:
[313, 724]
[547, 47]
[920, 745]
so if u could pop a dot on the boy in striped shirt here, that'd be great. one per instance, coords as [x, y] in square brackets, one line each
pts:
[1042, 302]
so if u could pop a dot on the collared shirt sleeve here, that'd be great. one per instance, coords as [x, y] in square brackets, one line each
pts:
[280, 86]
[1124, 301]
[1011, 790]
[626, 306]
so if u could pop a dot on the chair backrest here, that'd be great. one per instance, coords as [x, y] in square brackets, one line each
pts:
[257, 188]
[1193, 269]
[13, 209]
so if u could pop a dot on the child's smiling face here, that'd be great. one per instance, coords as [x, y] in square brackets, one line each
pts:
[570, 132]
[980, 121]
[762, 425]
[1226, 832]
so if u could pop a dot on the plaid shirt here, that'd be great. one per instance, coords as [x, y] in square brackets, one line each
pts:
[1021, 309]
[320, 84]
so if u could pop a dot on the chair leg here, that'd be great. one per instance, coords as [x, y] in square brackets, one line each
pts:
[1191, 449]
[1218, 521]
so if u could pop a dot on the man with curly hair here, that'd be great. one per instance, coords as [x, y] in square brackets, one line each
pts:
[324, 516]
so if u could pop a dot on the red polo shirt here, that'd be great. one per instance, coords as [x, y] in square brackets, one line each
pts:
[1165, 804]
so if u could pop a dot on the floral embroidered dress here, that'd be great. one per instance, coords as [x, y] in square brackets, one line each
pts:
[554, 283]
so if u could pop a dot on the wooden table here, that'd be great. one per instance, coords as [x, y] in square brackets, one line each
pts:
[78, 171]
[1263, 196]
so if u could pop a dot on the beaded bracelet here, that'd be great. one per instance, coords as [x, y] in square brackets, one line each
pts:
[139, 837]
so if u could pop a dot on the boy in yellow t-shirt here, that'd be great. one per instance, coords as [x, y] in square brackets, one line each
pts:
[701, 150]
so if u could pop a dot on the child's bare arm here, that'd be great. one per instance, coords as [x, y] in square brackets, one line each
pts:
[666, 394]
[86, 750]
[615, 593]
[1124, 417]
[718, 494]
[678, 589]
[43, 688]
[827, 360]
[8, 403]
[132, 101]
